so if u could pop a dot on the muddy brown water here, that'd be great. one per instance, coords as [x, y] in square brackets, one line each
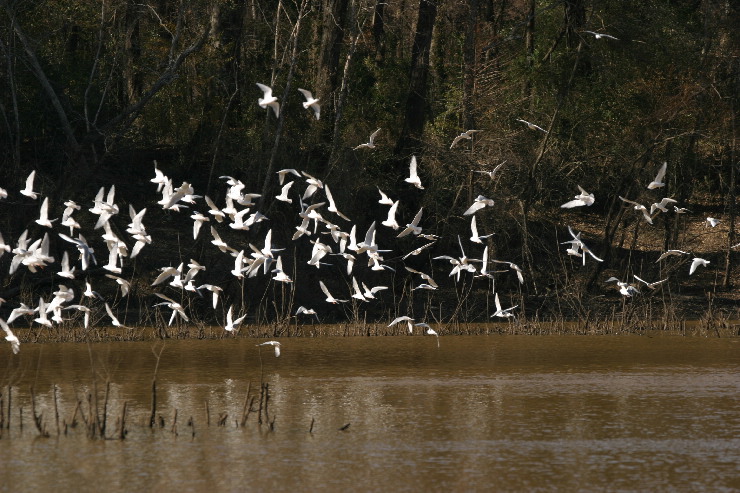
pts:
[477, 413]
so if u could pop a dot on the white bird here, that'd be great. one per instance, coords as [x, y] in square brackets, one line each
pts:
[515, 268]
[232, 324]
[479, 203]
[711, 221]
[302, 310]
[501, 313]
[4, 247]
[492, 174]
[696, 263]
[658, 181]
[176, 307]
[268, 99]
[384, 199]
[583, 198]
[66, 271]
[114, 320]
[41, 310]
[43, 219]
[639, 207]
[28, 191]
[662, 205]
[215, 291]
[283, 172]
[669, 253]
[577, 244]
[476, 238]
[650, 285]
[417, 251]
[82, 308]
[391, 220]
[531, 126]
[369, 293]
[283, 197]
[369, 144]
[332, 205]
[413, 226]
[311, 102]
[468, 134]
[601, 35]
[430, 331]
[125, 285]
[424, 276]
[329, 297]
[217, 213]
[21, 311]
[357, 292]
[414, 175]
[403, 318]
[15, 344]
[159, 177]
[274, 344]
[625, 289]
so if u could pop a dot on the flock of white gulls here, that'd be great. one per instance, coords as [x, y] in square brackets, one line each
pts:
[316, 209]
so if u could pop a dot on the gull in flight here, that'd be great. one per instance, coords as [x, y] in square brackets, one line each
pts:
[369, 144]
[113, 318]
[329, 297]
[650, 285]
[468, 134]
[668, 253]
[711, 221]
[28, 191]
[176, 308]
[283, 172]
[479, 203]
[417, 251]
[601, 35]
[625, 289]
[311, 102]
[391, 220]
[302, 310]
[662, 205]
[384, 199]
[491, 174]
[268, 99]
[332, 206]
[583, 198]
[66, 271]
[275, 345]
[639, 207]
[413, 226]
[476, 238]
[125, 285]
[696, 263]
[283, 197]
[43, 219]
[413, 175]
[232, 324]
[531, 125]
[501, 313]
[577, 244]
[658, 181]
[403, 318]
[15, 344]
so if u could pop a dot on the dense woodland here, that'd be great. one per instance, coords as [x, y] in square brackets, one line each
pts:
[93, 93]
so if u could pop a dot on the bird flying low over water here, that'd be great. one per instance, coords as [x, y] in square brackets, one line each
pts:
[275, 345]
[268, 99]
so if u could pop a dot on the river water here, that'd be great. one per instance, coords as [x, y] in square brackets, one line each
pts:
[476, 413]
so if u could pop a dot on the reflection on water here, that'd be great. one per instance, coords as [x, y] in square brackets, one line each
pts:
[512, 413]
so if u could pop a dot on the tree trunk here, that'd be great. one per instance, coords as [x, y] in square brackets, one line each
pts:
[416, 103]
